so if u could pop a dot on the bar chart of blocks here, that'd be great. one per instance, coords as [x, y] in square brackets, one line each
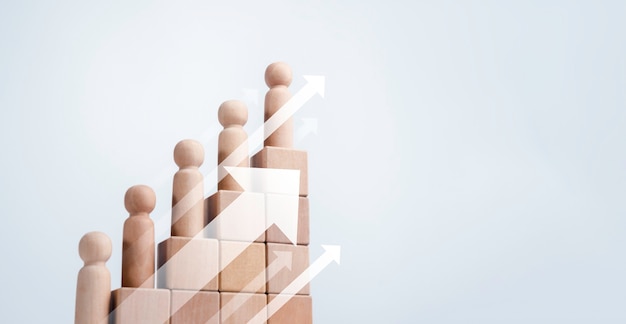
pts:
[238, 255]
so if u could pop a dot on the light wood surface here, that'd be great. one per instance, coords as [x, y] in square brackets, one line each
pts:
[299, 309]
[244, 268]
[299, 263]
[242, 306]
[140, 306]
[188, 263]
[199, 309]
[231, 229]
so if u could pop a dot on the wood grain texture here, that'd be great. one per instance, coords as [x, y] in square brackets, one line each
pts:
[248, 264]
[195, 307]
[187, 263]
[140, 306]
[300, 262]
[298, 309]
[242, 306]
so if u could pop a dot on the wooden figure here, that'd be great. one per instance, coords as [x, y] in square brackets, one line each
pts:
[278, 77]
[93, 287]
[188, 190]
[232, 142]
[138, 238]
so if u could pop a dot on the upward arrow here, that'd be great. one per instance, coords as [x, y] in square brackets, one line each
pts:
[332, 253]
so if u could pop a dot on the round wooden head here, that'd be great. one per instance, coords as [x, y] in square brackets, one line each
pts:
[139, 199]
[232, 112]
[94, 247]
[188, 153]
[278, 74]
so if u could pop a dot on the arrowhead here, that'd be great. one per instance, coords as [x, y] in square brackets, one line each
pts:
[334, 251]
[283, 259]
[317, 82]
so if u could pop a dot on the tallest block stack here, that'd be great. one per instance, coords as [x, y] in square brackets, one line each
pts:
[278, 153]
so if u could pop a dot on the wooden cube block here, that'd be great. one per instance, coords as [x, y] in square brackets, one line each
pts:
[195, 307]
[188, 263]
[284, 158]
[248, 223]
[277, 282]
[237, 308]
[242, 267]
[140, 305]
[275, 235]
[294, 309]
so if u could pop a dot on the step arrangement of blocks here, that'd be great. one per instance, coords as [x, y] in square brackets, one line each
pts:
[227, 274]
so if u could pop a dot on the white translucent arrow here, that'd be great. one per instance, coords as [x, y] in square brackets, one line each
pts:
[283, 260]
[331, 253]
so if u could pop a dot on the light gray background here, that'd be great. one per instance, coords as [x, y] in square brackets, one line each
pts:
[470, 158]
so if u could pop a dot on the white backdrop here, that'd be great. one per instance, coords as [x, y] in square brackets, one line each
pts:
[469, 157]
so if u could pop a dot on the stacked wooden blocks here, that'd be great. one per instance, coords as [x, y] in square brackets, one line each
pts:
[225, 261]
